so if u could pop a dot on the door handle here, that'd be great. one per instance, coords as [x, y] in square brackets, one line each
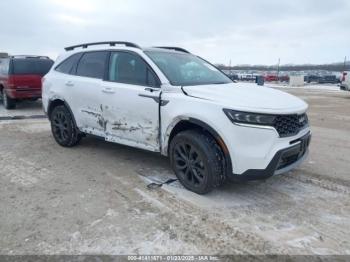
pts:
[69, 83]
[108, 90]
[151, 89]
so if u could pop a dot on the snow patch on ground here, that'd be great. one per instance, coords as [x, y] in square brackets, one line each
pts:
[21, 171]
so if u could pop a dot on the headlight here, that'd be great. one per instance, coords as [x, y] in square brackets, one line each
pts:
[250, 118]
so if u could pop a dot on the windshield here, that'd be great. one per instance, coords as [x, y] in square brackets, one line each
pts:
[183, 69]
[31, 66]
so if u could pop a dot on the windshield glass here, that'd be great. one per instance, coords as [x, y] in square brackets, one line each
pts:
[31, 66]
[183, 69]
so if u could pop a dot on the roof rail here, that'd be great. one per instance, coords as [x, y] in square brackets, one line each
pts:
[174, 48]
[29, 56]
[111, 43]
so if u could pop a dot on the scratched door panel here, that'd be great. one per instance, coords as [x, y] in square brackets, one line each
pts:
[130, 116]
[86, 103]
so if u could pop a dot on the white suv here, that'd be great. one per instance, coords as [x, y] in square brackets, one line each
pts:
[167, 100]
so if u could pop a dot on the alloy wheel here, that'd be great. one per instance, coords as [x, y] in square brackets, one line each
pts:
[189, 164]
[60, 126]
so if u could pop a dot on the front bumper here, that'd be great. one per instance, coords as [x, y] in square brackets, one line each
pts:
[284, 160]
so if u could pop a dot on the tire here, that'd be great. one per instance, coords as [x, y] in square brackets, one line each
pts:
[63, 127]
[8, 102]
[197, 161]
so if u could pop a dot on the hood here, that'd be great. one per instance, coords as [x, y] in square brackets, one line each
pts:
[248, 97]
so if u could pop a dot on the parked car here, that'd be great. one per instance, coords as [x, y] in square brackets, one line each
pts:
[170, 101]
[345, 81]
[248, 77]
[270, 78]
[311, 78]
[20, 78]
[283, 78]
[328, 79]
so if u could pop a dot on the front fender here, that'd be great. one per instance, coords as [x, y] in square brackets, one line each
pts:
[203, 125]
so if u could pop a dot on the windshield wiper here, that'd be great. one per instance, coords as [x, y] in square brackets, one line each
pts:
[220, 83]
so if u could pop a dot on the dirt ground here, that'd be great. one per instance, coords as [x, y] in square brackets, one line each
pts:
[93, 199]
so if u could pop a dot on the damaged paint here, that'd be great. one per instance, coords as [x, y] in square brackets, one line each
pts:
[141, 134]
[91, 113]
[118, 125]
[167, 132]
[102, 122]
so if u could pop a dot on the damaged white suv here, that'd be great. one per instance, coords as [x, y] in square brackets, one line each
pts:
[167, 100]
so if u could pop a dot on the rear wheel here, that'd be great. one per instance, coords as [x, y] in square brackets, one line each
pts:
[63, 127]
[197, 161]
[8, 102]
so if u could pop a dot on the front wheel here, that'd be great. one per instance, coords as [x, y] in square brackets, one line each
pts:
[8, 102]
[197, 161]
[63, 127]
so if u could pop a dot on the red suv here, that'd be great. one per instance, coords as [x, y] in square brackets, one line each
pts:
[20, 77]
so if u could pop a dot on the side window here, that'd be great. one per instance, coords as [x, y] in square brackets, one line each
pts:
[130, 69]
[151, 80]
[92, 65]
[4, 66]
[67, 65]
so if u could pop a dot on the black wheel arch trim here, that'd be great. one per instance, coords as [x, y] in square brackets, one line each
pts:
[49, 109]
[218, 139]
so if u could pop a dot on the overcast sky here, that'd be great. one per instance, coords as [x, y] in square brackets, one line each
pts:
[245, 32]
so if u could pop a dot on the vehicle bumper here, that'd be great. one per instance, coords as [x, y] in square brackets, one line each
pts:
[23, 93]
[344, 87]
[283, 161]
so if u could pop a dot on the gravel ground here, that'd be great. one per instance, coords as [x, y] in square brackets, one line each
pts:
[93, 199]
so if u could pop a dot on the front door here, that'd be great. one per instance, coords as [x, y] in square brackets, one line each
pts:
[130, 102]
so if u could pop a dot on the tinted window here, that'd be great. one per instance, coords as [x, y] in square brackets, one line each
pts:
[92, 64]
[67, 65]
[131, 69]
[31, 66]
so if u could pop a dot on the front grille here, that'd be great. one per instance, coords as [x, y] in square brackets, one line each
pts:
[289, 125]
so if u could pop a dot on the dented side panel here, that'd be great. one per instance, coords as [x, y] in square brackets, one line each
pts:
[130, 118]
[84, 99]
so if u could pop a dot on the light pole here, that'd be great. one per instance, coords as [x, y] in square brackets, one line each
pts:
[344, 67]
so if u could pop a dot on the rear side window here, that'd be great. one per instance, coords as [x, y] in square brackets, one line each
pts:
[92, 65]
[67, 65]
[31, 66]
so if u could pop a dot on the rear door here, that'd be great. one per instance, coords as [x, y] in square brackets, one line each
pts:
[130, 101]
[83, 91]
